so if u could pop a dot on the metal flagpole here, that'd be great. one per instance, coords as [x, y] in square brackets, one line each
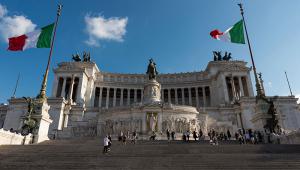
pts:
[17, 83]
[42, 94]
[288, 83]
[259, 90]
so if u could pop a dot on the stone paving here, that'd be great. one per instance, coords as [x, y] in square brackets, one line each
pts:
[86, 154]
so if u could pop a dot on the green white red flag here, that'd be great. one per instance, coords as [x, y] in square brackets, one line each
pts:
[234, 34]
[40, 38]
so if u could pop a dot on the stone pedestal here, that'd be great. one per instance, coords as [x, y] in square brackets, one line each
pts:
[43, 121]
[152, 92]
[259, 119]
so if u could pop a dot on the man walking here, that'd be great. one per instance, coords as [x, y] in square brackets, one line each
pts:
[105, 143]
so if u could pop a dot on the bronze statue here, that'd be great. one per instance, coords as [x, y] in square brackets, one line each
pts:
[272, 123]
[29, 123]
[218, 56]
[151, 71]
[76, 57]
[86, 57]
[227, 56]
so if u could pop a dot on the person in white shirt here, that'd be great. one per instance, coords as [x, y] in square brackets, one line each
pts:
[105, 143]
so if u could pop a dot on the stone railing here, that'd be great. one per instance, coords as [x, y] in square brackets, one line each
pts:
[292, 137]
[12, 138]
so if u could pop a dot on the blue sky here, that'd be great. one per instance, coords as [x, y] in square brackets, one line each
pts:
[122, 35]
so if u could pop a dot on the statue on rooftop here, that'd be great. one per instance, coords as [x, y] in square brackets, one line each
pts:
[218, 56]
[76, 57]
[86, 57]
[151, 71]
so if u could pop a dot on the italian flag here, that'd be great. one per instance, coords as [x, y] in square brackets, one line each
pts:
[234, 34]
[37, 39]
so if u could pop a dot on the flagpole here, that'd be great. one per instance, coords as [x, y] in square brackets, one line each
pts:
[288, 83]
[42, 94]
[17, 83]
[259, 90]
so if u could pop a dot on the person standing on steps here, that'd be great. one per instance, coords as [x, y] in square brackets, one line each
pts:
[200, 134]
[228, 134]
[173, 135]
[105, 143]
[134, 137]
[109, 142]
[195, 135]
[168, 134]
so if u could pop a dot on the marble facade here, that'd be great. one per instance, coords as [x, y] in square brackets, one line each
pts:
[87, 101]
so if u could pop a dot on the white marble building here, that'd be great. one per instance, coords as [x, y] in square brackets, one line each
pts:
[87, 101]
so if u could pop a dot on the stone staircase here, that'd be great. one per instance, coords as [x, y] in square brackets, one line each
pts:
[83, 154]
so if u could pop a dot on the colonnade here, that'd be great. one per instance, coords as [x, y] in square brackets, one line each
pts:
[67, 87]
[236, 87]
[106, 97]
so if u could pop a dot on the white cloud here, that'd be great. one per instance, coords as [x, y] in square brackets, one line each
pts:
[100, 28]
[3, 11]
[15, 25]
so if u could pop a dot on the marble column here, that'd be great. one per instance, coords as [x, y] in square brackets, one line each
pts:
[135, 96]
[176, 97]
[226, 97]
[55, 84]
[78, 97]
[128, 97]
[62, 94]
[190, 96]
[100, 97]
[182, 93]
[121, 100]
[114, 99]
[249, 85]
[142, 95]
[72, 87]
[107, 98]
[197, 97]
[241, 86]
[204, 97]
[169, 96]
[162, 95]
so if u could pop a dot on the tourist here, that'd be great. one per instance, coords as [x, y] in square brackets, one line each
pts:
[134, 137]
[109, 142]
[188, 135]
[213, 133]
[168, 134]
[241, 139]
[236, 135]
[184, 136]
[195, 135]
[215, 140]
[228, 134]
[200, 134]
[120, 136]
[124, 139]
[209, 135]
[105, 143]
[153, 136]
[247, 137]
[173, 135]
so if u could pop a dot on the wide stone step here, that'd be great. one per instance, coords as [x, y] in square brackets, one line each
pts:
[87, 154]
